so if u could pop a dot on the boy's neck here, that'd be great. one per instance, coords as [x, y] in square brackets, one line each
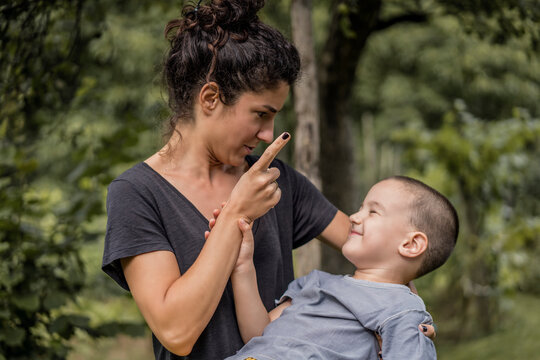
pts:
[382, 276]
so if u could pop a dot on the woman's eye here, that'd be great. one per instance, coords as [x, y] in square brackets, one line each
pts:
[261, 113]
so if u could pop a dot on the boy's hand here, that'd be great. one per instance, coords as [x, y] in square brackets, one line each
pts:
[212, 221]
[245, 256]
[247, 248]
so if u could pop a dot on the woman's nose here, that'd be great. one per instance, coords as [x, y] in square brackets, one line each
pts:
[266, 133]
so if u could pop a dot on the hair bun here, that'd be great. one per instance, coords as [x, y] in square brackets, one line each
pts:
[230, 13]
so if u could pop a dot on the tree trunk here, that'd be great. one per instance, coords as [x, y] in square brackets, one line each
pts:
[480, 313]
[306, 146]
[351, 25]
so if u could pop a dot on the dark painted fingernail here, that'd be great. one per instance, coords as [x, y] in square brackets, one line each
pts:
[285, 136]
[424, 329]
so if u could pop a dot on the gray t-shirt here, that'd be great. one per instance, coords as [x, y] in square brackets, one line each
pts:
[335, 317]
[146, 213]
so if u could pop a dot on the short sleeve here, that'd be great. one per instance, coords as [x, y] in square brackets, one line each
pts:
[133, 227]
[312, 211]
[401, 338]
[296, 286]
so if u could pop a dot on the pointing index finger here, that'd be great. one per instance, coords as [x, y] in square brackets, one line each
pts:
[271, 152]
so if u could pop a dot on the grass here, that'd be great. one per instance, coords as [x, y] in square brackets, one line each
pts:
[518, 339]
[121, 347]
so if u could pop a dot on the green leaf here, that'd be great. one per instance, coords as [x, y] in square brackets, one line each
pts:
[28, 302]
[12, 336]
[55, 299]
[65, 325]
[114, 328]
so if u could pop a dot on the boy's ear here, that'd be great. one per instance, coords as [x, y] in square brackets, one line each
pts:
[209, 97]
[414, 245]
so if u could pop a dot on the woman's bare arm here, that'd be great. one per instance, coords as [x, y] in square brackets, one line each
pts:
[336, 233]
[178, 307]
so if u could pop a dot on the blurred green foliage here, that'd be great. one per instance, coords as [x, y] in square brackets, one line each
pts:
[52, 174]
[515, 338]
[482, 166]
[446, 101]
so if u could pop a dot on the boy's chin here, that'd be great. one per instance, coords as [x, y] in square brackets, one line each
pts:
[349, 258]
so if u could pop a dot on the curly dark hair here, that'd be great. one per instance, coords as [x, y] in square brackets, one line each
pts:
[224, 42]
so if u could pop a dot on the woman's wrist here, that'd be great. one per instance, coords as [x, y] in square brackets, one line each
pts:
[233, 210]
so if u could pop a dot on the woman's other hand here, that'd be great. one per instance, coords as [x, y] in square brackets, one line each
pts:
[426, 329]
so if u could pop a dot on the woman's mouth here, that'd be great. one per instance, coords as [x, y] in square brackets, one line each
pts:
[249, 148]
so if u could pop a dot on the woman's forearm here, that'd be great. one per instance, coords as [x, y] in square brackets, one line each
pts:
[178, 307]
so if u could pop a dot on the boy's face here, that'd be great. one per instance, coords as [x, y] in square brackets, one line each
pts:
[380, 225]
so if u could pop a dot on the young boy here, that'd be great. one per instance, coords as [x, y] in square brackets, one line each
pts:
[403, 230]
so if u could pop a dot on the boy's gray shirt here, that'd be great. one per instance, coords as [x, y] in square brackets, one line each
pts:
[335, 317]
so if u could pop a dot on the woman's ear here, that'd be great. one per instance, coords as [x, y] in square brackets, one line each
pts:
[414, 245]
[209, 97]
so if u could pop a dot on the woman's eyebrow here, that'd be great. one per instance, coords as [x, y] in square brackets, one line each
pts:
[270, 108]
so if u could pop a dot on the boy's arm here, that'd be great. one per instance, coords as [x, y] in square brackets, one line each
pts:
[251, 313]
[402, 338]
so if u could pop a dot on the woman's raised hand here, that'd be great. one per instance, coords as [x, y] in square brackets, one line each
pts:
[257, 190]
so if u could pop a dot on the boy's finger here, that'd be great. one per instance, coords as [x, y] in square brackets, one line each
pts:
[243, 225]
[271, 152]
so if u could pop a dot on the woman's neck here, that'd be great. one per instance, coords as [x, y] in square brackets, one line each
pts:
[190, 155]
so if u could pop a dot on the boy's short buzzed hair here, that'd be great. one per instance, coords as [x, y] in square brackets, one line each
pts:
[433, 214]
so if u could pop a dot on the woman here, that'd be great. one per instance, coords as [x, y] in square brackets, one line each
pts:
[228, 75]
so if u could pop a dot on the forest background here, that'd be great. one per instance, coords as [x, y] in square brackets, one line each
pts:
[446, 91]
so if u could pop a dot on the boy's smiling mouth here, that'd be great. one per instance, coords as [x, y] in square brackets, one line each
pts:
[354, 232]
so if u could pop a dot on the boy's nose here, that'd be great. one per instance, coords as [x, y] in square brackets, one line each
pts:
[356, 218]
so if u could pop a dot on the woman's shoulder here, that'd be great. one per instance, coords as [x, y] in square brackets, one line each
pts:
[140, 173]
[138, 178]
[133, 172]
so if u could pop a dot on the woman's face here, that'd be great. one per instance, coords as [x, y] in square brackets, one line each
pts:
[240, 127]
